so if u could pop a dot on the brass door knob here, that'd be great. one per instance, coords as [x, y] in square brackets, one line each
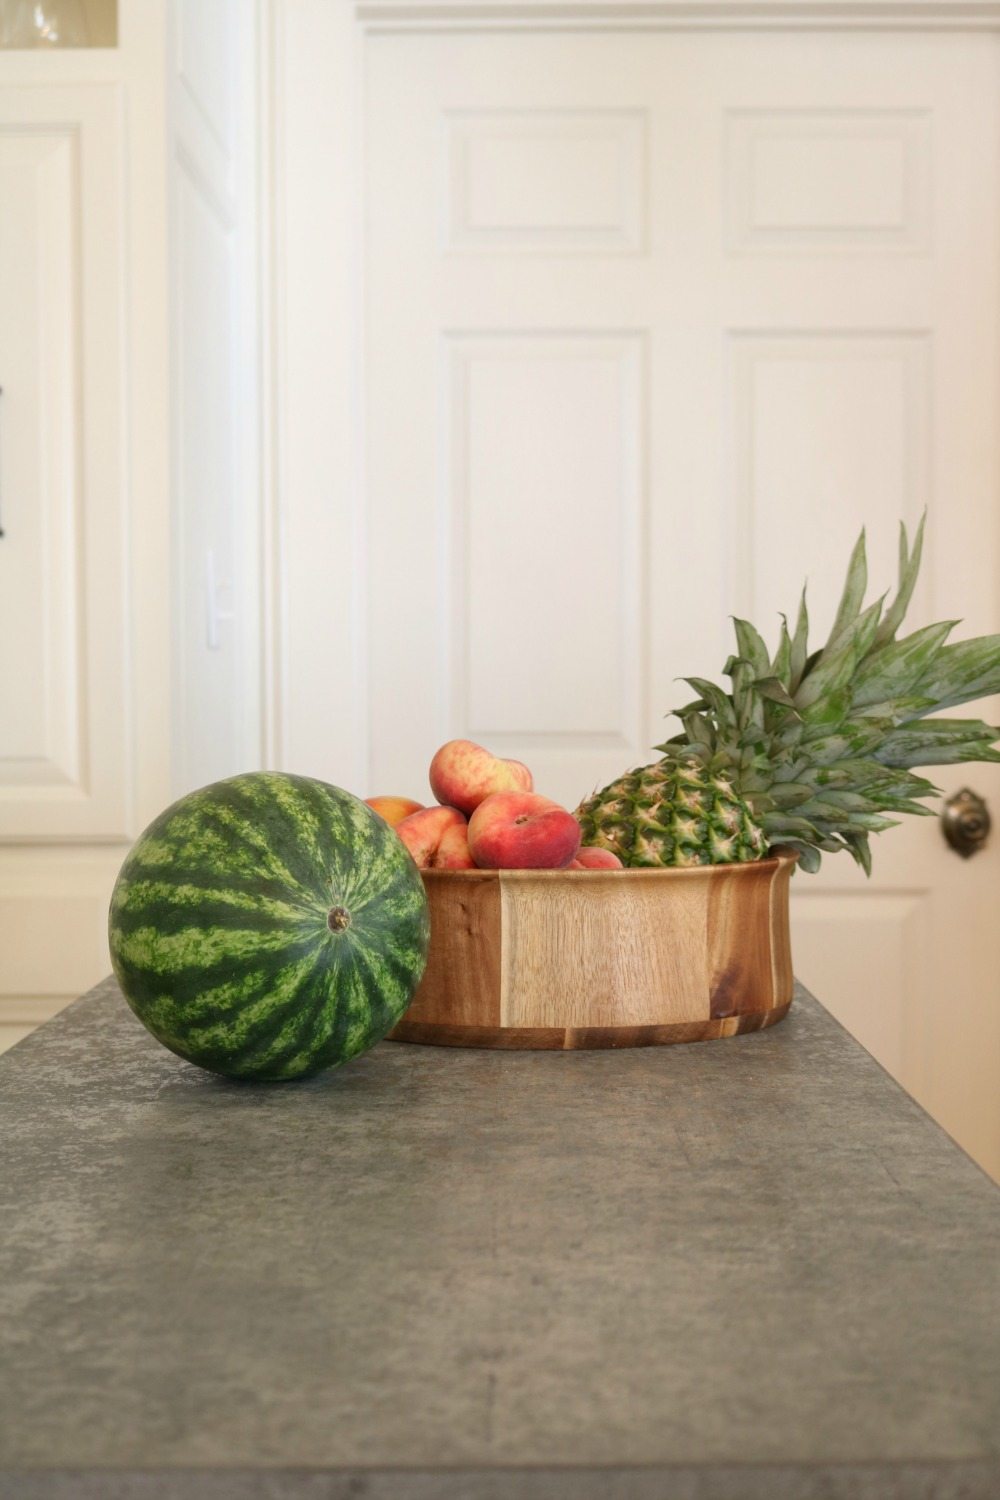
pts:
[966, 822]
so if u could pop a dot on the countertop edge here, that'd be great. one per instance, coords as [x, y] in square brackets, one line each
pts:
[926, 1479]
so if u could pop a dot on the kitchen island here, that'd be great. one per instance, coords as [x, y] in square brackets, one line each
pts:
[725, 1271]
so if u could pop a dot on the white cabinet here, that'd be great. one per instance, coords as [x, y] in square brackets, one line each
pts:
[84, 498]
[68, 719]
[129, 467]
[64, 741]
[69, 713]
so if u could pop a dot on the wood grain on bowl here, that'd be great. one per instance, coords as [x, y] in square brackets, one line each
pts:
[603, 958]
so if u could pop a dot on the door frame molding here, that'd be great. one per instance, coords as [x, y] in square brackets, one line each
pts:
[314, 657]
[668, 15]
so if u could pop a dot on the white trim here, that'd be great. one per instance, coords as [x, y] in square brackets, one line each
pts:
[213, 148]
[315, 700]
[249, 435]
[270, 242]
[691, 15]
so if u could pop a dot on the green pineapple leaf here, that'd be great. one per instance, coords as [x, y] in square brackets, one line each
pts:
[785, 794]
[798, 654]
[774, 690]
[902, 663]
[744, 698]
[751, 647]
[781, 666]
[698, 730]
[860, 848]
[853, 594]
[821, 688]
[939, 742]
[907, 805]
[895, 710]
[963, 671]
[898, 666]
[711, 696]
[781, 825]
[809, 856]
[849, 741]
[909, 567]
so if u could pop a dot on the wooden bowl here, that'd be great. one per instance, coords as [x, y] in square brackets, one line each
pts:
[603, 958]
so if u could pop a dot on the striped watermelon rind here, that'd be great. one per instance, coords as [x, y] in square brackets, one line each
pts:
[268, 926]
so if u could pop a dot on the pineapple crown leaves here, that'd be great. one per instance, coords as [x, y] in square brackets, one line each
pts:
[823, 745]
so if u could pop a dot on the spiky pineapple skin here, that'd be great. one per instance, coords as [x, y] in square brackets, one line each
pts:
[676, 812]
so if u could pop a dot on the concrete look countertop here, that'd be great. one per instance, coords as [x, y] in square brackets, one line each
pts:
[743, 1269]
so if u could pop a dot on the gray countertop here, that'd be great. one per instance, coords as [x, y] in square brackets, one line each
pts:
[747, 1268]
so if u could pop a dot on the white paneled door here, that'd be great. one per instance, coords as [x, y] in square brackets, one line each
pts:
[654, 323]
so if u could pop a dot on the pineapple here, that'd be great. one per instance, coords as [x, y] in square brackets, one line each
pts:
[683, 810]
[806, 751]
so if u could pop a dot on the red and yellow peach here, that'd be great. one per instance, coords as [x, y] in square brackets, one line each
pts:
[437, 838]
[463, 774]
[394, 809]
[595, 859]
[519, 830]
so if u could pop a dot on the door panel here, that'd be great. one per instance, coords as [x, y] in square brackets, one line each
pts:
[654, 323]
[572, 402]
[67, 764]
[64, 744]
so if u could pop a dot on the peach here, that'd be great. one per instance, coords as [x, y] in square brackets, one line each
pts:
[453, 850]
[596, 859]
[463, 774]
[522, 831]
[425, 834]
[394, 809]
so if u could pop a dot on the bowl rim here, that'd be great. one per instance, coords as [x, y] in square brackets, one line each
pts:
[772, 862]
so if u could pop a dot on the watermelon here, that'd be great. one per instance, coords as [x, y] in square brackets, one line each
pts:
[268, 926]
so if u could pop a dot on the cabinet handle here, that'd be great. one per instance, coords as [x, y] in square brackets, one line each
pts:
[1, 474]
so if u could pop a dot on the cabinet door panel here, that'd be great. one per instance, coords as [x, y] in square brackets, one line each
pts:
[63, 740]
